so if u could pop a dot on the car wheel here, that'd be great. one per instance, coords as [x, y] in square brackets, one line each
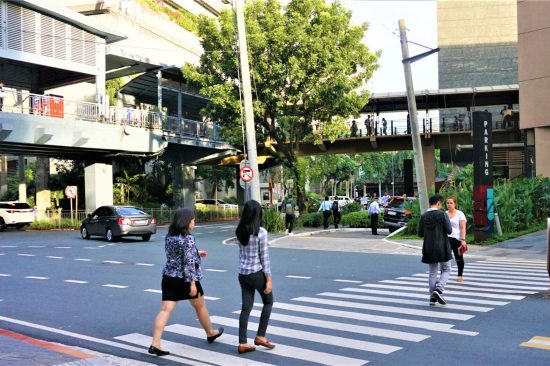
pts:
[146, 237]
[110, 236]
[22, 227]
[84, 232]
[2, 225]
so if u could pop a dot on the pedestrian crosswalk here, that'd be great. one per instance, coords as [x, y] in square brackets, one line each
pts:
[362, 321]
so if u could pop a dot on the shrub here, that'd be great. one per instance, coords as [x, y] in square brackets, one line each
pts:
[272, 220]
[351, 207]
[356, 219]
[314, 219]
[49, 224]
[202, 213]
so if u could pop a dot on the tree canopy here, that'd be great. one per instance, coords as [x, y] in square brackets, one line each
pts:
[308, 67]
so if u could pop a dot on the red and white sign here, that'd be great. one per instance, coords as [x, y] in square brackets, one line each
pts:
[71, 192]
[246, 173]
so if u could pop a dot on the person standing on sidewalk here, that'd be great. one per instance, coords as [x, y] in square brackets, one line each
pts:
[458, 235]
[326, 208]
[336, 214]
[374, 211]
[181, 279]
[290, 216]
[254, 274]
[434, 226]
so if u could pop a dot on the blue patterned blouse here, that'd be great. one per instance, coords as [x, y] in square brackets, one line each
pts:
[182, 258]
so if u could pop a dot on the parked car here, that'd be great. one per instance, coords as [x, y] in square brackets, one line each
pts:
[342, 200]
[15, 214]
[214, 202]
[114, 222]
[396, 214]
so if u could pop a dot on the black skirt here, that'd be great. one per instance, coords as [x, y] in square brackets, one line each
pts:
[175, 289]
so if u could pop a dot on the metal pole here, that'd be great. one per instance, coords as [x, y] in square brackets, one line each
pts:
[417, 145]
[252, 155]
[548, 244]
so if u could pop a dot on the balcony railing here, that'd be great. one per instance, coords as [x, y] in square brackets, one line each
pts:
[59, 107]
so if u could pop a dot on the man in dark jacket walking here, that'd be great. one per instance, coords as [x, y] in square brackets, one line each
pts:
[435, 227]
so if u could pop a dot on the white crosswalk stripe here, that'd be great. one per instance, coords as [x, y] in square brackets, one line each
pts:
[342, 320]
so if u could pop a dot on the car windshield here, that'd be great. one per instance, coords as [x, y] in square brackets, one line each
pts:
[397, 203]
[123, 211]
[15, 205]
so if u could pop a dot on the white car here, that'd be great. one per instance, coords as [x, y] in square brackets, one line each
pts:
[15, 214]
[214, 202]
[342, 200]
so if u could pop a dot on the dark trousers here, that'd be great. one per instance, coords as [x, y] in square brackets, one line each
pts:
[337, 217]
[249, 284]
[289, 222]
[455, 244]
[1, 103]
[374, 223]
[326, 215]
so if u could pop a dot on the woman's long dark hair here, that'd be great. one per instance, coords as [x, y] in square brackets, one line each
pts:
[180, 222]
[251, 220]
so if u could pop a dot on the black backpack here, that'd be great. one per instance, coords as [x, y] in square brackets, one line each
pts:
[335, 206]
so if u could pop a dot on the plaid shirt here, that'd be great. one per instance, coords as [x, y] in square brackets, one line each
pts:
[254, 257]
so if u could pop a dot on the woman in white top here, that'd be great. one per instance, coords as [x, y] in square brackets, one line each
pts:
[458, 235]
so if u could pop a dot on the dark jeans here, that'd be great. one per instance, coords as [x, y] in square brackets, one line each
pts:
[289, 222]
[249, 284]
[337, 217]
[326, 215]
[455, 244]
[374, 223]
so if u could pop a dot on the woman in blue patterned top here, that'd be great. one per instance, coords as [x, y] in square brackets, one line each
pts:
[181, 278]
[254, 274]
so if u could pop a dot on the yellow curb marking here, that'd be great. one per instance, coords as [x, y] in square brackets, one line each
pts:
[538, 342]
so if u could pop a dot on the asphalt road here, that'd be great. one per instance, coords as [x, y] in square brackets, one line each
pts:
[340, 298]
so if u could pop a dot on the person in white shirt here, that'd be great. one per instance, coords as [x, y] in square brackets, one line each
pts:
[374, 210]
[458, 236]
[326, 208]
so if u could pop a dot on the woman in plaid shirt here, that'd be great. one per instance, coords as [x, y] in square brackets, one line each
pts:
[254, 274]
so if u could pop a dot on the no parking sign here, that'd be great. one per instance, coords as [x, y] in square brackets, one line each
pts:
[246, 173]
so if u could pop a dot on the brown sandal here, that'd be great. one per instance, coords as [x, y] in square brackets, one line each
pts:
[258, 341]
[244, 348]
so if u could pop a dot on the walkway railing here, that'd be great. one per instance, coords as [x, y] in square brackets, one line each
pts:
[57, 106]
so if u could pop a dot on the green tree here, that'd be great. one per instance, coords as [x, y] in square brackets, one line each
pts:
[220, 177]
[127, 186]
[307, 64]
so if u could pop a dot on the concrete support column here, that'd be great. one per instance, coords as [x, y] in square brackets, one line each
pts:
[428, 153]
[43, 193]
[184, 185]
[98, 185]
[3, 175]
[22, 179]
[542, 146]
[101, 97]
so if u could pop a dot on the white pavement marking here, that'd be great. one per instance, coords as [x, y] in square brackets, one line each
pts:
[114, 286]
[101, 246]
[211, 298]
[404, 301]
[145, 264]
[492, 285]
[26, 255]
[90, 248]
[313, 337]
[483, 279]
[453, 292]
[8, 246]
[281, 349]
[53, 257]
[523, 261]
[299, 277]
[349, 281]
[83, 259]
[525, 265]
[383, 308]
[153, 290]
[36, 246]
[5, 275]
[502, 269]
[541, 278]
[466, 287]
[2, 253]
[509, 273]
[422, 296]
[75, 281]
[63, 247]
[83, 337]
[37, 278]
[113, 262]
[434, 326]
[180, 349]
[216, 270]
[352, 328]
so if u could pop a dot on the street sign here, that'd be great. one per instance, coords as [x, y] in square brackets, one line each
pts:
[71, 192]
[246, 173]
[243, 184]
[244, 163]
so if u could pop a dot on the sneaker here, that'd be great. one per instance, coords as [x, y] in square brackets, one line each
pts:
[433, 300]
[290, 234]
[439, 297]
[286, 231]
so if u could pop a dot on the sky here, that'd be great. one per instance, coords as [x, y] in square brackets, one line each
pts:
[382, 17]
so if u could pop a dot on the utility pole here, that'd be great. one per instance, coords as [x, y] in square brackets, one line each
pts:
[415, 134]
[252, 154]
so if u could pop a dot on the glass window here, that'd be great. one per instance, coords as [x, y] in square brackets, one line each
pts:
[124, 211]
